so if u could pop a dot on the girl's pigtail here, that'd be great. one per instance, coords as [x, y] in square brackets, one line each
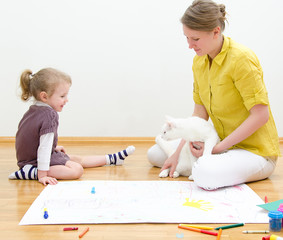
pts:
[25, 80]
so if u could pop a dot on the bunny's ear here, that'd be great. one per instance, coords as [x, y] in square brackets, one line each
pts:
[171, 124]
[170, 121]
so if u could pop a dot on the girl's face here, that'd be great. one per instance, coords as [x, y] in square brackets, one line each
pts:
[203, 42]
[59, 98]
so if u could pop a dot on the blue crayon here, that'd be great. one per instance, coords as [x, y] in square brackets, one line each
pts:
[93, 190]
[45, 215]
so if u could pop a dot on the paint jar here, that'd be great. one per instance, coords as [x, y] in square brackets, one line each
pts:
[275, 221]
[280, 209]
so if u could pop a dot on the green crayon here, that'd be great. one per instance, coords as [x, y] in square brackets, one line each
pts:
[230, 226]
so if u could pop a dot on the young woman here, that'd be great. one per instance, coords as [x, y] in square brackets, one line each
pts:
[229, 89]
[38, 155]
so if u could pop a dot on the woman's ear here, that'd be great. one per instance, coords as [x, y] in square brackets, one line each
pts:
[216, 32]
[43, 96]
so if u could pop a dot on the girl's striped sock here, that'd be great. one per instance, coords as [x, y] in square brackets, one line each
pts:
[28, 172]
[119, 157]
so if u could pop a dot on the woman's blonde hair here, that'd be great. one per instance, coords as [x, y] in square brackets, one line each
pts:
[204, 15]
[45, 80]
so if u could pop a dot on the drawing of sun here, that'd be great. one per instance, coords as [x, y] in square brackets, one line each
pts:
[200, 204]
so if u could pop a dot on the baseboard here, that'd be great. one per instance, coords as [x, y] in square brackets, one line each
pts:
[97, 140]
[91, 140]
[7, 140]
[104, 140]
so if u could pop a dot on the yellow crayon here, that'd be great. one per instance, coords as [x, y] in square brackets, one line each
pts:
[197, 226]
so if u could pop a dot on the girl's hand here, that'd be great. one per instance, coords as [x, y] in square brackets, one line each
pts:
[48, 180]
[197, 148]
[44, 179]
[60, 149]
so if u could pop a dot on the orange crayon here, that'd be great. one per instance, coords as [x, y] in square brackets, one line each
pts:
[219, 234]
[84, 232]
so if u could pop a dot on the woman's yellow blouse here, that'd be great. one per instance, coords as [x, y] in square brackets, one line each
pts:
[228, 89]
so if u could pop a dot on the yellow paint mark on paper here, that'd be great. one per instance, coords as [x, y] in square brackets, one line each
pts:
[200, 204]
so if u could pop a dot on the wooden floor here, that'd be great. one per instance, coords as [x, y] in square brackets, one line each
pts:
[18, 195]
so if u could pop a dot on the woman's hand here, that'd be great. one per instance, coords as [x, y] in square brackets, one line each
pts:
[197, 148]
[171, 163]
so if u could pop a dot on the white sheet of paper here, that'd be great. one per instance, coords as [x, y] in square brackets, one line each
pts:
[144, 202]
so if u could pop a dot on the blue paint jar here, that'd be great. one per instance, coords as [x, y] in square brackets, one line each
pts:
[275, 221]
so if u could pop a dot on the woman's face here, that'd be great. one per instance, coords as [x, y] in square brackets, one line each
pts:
[203, 42]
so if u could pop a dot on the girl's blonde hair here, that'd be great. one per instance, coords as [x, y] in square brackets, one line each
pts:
[45, 80]
[204, 15]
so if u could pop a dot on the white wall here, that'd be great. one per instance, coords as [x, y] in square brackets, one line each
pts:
[128, 59]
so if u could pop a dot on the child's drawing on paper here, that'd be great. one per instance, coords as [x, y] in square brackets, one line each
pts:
[144, 202]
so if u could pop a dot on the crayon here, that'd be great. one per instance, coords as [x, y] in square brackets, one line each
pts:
[84, 232]
[197, 226]
[230, 226]
[256, 231]
[275, 237]
[219, 234]
[70, 228]
[198, 230]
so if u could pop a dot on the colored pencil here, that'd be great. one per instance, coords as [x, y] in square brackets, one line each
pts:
[198, 226]
[230, 226]
[198, 230]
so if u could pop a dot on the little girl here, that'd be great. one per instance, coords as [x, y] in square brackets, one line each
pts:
[37, 152]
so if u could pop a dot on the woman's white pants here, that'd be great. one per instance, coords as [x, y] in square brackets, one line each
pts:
[220, 170]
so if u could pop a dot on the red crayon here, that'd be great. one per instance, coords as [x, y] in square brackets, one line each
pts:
[265, 199]
[198, 230]
[70, 228]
